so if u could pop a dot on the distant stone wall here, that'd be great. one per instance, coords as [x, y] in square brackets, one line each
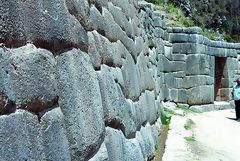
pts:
[197, 62]
[84, 80]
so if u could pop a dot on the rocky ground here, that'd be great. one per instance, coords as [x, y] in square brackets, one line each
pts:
[209, 136]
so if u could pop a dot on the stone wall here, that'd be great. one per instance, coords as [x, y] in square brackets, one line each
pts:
[84, 80]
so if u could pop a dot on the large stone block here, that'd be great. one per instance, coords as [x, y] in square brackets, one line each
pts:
[146, 141]
[80, 12]
[80, 101]
[102, 51]
[19, 137]
[114, 144]
[197, 80]
[127, 7]
[182, 96]
[189, 48]
[198, 64]
[117, 112]
[146, 77]
[28, 77]
[54, 136]
[179, 57]
[47, 24]
[231, 64]
[121, 19]
[131, 88]
[200, 95]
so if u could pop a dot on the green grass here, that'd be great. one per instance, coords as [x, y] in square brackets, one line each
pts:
[178, 19]
[190, 139]
[156, 2]
[165, 119]
[189, 124]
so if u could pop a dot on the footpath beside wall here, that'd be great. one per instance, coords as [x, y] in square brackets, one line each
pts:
[84, 80]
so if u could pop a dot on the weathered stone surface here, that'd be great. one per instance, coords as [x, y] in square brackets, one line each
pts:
[141, 148]
[121, 19]
[28, 77]
[114, 144]
[102, 51]
[102, 154]
[197, 80]
[80, 12]
[200, 95]
[146, 78]
[189, 48]
[146, 141]
[54, 136]
[47, 24]
[80, 101]
[202, 108]
[132, 150]
[198, 64]
[19, 137]
[117, 112]
[130, 74]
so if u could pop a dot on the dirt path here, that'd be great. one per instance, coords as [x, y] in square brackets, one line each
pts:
[210, 136]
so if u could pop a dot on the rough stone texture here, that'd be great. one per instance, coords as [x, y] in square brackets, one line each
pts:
[47, 24]
[28, 77]
[80, 101]
[200, 95]
[131, 78]
[54, 136]
[117, 112]
[20, 137]
[133, 63]
[102, 154]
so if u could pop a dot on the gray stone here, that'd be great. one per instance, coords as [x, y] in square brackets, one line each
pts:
[131, 79]
[132, 151]
[203, 108]
[117, 112]
[193, 30]
[19, 137]
[178, 38]
[54, 136]
[197, 80]
[80, 12]
[121, 19]
[168, 52]
[200, 95]
[182, 96]
[127, 8]
[189, 48]
[80, 101]
[47, 24]
[102, 51]
[28, 76]
[198, 64]
[102, 154]
[146, 141]
[173, 95]
[146, 79]
[114, 144]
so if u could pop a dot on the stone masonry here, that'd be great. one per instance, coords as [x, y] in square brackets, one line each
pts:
[84, 80]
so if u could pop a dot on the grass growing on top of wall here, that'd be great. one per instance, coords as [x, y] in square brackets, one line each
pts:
[175, 17]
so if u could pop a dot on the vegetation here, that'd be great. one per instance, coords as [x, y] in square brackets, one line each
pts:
[189, 124]
[175, 17]
[166, 117]
[190, 139]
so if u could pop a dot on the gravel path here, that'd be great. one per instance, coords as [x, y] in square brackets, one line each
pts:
[215, 136]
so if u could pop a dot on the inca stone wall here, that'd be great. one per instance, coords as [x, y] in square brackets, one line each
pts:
[84, 80]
